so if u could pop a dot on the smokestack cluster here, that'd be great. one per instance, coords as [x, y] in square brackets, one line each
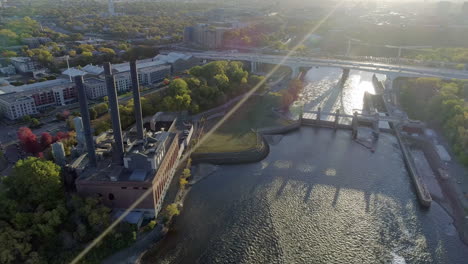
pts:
[114, 112]
[114, 108]
[136, 99]
[86, 120]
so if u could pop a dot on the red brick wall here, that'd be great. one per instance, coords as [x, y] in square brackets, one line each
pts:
[163, 174]
[413, 130]
[117, 194]
[43, 98]
[69, 93]
[123, 194]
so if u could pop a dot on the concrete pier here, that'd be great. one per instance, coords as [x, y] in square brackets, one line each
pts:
[337, 118]
[354, 124]
[423, 194]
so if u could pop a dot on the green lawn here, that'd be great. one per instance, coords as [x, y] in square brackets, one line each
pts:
[236, 134]
[233, 142]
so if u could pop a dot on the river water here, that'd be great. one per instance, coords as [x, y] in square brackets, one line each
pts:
[318, 197]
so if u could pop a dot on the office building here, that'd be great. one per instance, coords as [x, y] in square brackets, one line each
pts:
[14, 106]
[150, 71]
[46, 94]
[179, 62]
[95, 88]
[205, 36]
[154, 74]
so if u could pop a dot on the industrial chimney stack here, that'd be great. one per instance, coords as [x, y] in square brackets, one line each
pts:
[114, 112]
[86, 121]
[136, 99]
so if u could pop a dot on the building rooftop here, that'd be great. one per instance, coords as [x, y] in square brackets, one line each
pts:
[20, 59]
[149, 69]
[172, 57]
[93, 69]
[35, 86]
[124, 67]
[88, 69]
[138, 175]
[14, 97]
[74, 72]
[93, 81]
[151, 147]
[108, 171]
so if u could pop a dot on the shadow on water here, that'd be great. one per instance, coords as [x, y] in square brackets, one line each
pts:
[336, 200]
[308, 192]
[318, 197]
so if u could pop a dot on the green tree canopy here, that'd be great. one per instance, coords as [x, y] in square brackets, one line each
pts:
[222, 81]
[178, 87]
[34, 182]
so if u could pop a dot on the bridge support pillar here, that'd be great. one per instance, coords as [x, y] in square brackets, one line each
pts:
[253, 66]
[375, 125]
[354, 125]
[389, 82]
[319, 110]
[337, 117]
[295, 72]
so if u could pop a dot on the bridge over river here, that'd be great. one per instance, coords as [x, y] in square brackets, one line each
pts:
[297, 63]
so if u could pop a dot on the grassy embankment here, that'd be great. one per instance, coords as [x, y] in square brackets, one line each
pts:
[236, 134]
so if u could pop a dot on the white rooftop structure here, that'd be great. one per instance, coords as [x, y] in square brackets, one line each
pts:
[93, 69]
[125, 67]
[72, 72]
[88, 69]
[34, 86]
[20, 59]
[172, 57]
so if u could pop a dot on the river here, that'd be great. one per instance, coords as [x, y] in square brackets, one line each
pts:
[318, 197]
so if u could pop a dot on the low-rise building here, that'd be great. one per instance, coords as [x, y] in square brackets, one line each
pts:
[8, 70]
[15, 105]
[179, 62]
[123, 82]
[150, 71]
[95, 88]
[43, 95]
[153, 74]
[54, 96]
[24, 64]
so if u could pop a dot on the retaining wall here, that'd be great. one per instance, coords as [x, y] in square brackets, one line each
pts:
[279, 129]
[430, 152]
[423, 194]
[257, 153]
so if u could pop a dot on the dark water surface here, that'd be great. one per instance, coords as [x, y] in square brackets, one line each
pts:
[318, 197]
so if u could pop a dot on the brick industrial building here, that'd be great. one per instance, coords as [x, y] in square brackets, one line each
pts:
[121, 167]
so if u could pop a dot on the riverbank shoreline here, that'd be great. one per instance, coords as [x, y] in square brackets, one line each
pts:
[255, 154]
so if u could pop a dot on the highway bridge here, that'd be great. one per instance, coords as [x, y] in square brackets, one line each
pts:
[297, 63]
